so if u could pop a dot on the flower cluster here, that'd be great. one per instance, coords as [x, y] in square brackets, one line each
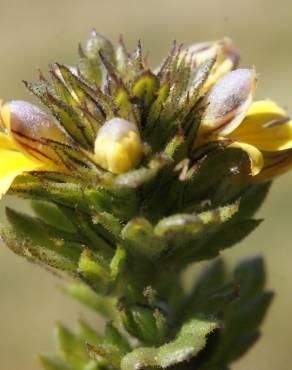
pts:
[135, 174]
[207, 75]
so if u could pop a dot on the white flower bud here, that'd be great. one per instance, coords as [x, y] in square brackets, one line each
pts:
[118, 146]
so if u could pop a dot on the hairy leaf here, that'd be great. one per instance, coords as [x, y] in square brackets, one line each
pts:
[188, 343]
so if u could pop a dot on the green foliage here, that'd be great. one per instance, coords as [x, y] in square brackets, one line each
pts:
[190, 340]
[242, 318]
[212, 325]
[126, 239]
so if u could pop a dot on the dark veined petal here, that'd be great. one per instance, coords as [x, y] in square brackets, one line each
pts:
[30, 127]
[275, 164]
[265, 126]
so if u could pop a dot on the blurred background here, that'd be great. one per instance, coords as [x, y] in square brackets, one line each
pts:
[34, 33]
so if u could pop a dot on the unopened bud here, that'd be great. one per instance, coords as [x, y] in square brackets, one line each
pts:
[118, 146]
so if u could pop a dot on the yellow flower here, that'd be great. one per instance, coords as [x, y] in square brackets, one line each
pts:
[262, 129]
[21, 145]
[222, 50]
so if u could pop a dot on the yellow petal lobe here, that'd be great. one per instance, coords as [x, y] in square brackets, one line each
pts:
[6, 142]
[12, 164]
[255, 156]
[265, 126]
[276, 164]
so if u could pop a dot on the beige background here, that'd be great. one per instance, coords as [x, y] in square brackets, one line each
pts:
[35, 32]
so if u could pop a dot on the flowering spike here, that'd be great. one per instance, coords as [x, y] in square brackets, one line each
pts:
[140, 173]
